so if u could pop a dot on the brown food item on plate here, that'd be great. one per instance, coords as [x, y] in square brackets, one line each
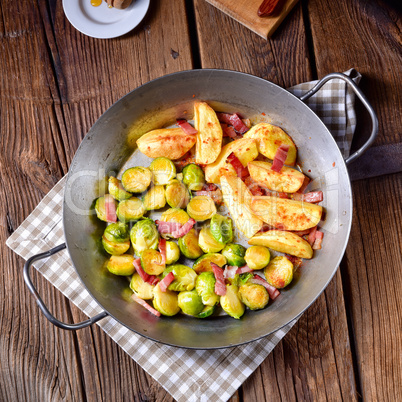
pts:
[120, 4]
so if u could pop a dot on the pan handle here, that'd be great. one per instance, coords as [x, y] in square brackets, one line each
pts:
[40, 302]
[361, 96]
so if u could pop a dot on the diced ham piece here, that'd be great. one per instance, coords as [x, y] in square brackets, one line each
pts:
[220, 286]
[162, 250]
[230, 272]
[241, 171]
[302, 232]
[296, 261]
[216, 195]
[272, 291]
[145, 304]
[184, 229]
[243, 270]
[166, 281]
[313, 196]
[110, 209]
[153, 280]
[186, 126]
[304, 185]
[280, 158]
[210, 187]
[224, 117]
[234, 120]
[230, 132]
[311, 236]
[283, 195]
[167, 227]
[137, 265]
[318, 240]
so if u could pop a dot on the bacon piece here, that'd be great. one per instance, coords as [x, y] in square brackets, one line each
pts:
[241, 171]
[280, 158]
[230, 272]
[313, 196]
[311, 236]
[167, 227]
[220, 286]
[110, 209]
[272, 291]
[254, 187]
[145, 304]
[234, 120]
[230, 132]
[151, 279]
[243, 270]
[283, 195]
[296, 261]
[210, 187]
[186, 126]
[166, 281]
[302, 233]
[215, 195]
[304, 185]
[162, 250]
[318, 240]
[224, 117]
[184, 229]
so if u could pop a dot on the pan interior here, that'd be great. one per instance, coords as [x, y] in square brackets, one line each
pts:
[111, 143]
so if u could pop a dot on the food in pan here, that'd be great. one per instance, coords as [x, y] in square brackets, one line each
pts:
[213, 185]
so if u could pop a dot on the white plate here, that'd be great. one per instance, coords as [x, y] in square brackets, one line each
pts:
[104, 22]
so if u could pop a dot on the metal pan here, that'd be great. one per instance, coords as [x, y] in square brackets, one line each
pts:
[111, 141]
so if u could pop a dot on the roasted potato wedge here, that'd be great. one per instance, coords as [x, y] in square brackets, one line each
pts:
[286, 214]
[269, 138]
[288, 180]
[237, 198]
[209, 136]
[245, 150]
[284, 242]
[171, 143]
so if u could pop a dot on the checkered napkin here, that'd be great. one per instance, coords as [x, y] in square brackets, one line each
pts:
[188, 375]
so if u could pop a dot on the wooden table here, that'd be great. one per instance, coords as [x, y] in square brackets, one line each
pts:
[56, 82]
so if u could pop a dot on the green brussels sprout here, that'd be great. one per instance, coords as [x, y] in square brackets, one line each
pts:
[231, 302]
[116, 190]
[221, 228]
[207, 242]
[144, 235]
[117, 232]
[185, 277]
[151, 262]
[121, 264]
[234, 254]
[174, 215]
[155, 198]
[205, 287]
[172, 252]
[203, 264]
[279, 272]
[206, 312]
[115, 248]
[190, 302]
[189, 245]
[142, 289]
[193, 177]
[165, 302]
[163, 170]
[130, 210]
[100, 207]
[257, 257]
[136, 179]
[254, 296]
[177, 195]
[201, 208]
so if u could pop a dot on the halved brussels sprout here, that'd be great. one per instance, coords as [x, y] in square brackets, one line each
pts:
[257, 257]
[235, 253]
[190, 302]
[174, 215]
[142, 289]
[100, 207]
[193, 177]
[231, 302]
[163, 169]
[136, 179]
[184, 277]
[206, 312]
[115, 248]
[121, 264]
[155, 198]
[172, 252]
[117, 232]
[130, 210]
[279, 272]
[203, 264]
[177, 195]
[201, 208]
[221, 228]
[189, 245]
[116, 190]
[151, 262]
[207, 242]
[205, 287]
[144, 235]
[165, 302]
[254, 296]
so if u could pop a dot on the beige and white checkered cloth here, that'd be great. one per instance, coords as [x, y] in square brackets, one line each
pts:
[188, 375]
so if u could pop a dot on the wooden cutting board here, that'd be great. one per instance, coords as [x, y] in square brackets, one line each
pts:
[245, 12]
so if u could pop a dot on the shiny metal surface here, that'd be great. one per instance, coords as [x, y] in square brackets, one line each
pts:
[158, 103]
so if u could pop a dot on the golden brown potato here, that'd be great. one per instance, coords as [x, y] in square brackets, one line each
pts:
[288, 180]
[171, 143]
[284, 242]
[209, 136]
[245, 150]
[269, 138]
[286, 214]
[237, 198]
